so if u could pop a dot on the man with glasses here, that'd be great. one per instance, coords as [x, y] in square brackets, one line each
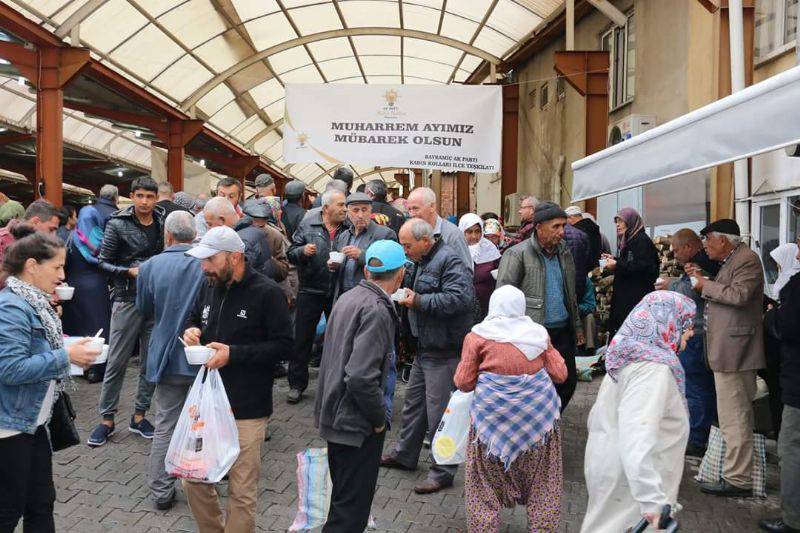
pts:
[526, 209]
[735, 347]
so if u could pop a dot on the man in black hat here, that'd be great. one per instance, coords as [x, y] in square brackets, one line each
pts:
[376, 189]
[354, 241]
[293, 212]
[735, 347]
[542, 267]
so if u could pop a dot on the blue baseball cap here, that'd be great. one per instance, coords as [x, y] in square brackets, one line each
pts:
[389, 253]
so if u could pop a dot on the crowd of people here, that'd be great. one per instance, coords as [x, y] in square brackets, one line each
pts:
[481, 309]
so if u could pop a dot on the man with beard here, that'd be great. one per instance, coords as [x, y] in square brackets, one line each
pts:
[249, 333]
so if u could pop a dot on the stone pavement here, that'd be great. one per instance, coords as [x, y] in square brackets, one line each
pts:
[106, 488]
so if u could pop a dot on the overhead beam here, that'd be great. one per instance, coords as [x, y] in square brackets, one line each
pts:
[606, 8]
[15, 138]
[81, 14]
[263, 133]
[332, 34]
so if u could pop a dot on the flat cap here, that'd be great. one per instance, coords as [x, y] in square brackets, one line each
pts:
[358, 198]
[723, 225]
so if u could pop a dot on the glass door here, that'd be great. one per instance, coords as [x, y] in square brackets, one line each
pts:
[768, 224]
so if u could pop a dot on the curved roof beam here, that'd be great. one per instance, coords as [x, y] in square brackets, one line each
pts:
[332, 34]
[81, 14]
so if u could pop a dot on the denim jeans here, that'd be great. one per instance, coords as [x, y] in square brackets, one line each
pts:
[700, 392]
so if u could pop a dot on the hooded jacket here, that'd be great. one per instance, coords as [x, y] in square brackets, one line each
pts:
[256, 246]
[443, 310]
[252, 317]
[125, 245]
[356, 359]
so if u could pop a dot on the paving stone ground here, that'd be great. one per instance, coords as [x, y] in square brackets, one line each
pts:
[105, 489]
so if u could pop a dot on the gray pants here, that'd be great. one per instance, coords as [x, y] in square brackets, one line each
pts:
[169, 398]
[427, 395]
[789, 453]
[127, 326]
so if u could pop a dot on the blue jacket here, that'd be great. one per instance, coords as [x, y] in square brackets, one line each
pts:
[166, 289]
[27, 364]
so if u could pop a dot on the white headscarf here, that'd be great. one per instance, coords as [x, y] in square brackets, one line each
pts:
[507, 322]
[786, 257]
[484, 251]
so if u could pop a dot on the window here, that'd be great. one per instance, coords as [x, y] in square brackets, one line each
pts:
[776, 26]
[794, 218]
[561, 88]
[544, 95]
[620, 42]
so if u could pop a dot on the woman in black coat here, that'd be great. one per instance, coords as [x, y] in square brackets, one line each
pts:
[635, 268]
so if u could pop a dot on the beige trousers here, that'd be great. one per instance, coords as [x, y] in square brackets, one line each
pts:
[735, 394]
[240, 515]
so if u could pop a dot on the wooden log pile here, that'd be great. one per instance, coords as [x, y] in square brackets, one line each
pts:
[603, 281]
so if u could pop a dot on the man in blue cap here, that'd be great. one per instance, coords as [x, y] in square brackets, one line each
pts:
[356, 385]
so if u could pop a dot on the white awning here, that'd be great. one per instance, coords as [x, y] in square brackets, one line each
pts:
[761, 118]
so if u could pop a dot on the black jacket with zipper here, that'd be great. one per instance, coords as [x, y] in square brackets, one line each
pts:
[125, 245]
[252, 317]
[315, 278]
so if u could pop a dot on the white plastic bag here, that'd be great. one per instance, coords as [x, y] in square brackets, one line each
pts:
[205, 443]
[450, 442]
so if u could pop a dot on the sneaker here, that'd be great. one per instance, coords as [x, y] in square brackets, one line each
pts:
[294, 396]
[143, 428]
[100, 435]
[166, 503]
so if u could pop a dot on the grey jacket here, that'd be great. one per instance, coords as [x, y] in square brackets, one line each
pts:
[374, 232]
[523, 267]
[356, 359]
[443, 310]
[454, 238]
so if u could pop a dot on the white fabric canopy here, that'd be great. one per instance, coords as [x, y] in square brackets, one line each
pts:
[761, 118]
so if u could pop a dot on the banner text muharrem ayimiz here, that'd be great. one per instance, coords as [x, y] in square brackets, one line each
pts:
[355, 137]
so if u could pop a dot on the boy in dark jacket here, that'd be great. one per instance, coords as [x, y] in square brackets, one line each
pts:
[352, 394]
[243, 316]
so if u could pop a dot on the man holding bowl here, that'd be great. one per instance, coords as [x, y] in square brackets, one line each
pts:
[248, 334]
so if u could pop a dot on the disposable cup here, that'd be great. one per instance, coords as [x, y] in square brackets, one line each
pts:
[65, 293]
[398, 295]
[336, 257]
[198, 355]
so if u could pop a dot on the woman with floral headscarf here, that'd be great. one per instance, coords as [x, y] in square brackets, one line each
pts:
[514, 450]
[639, 425]
[494, 233]
[635, 268]
[485, 259]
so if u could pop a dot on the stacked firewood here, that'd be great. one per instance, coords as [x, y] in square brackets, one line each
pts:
[603, 281]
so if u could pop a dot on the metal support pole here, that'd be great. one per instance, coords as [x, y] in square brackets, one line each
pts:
[741, 182]
[570, 25]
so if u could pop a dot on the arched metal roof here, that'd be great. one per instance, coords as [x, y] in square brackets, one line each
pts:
[227, 61]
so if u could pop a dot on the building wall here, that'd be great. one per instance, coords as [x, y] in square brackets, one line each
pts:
[674, 74]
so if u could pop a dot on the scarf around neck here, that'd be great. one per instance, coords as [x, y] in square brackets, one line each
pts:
[633, 221]
[40, 303]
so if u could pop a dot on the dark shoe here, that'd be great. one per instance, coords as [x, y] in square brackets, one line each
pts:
[279, 371]
[315, 362]
[294, 396]
[166, 503]
[776, 525]
[429, 487]
[389, 461]
[695, 450]
[100, 435]
[94, 374]
[723, 488]
[143, 428]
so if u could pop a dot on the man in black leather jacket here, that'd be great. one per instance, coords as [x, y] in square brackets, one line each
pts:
[376, 189]
[312, 243]
[131, 236]
[293, 212]
[438, 311]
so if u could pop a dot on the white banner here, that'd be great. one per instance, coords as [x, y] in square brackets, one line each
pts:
[440, 127]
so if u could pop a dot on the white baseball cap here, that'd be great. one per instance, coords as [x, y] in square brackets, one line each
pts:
[216, 240]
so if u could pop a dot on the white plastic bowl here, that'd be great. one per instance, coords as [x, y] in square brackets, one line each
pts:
[336, 257]
[399, 294]
[65, 293]
[198, 355]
